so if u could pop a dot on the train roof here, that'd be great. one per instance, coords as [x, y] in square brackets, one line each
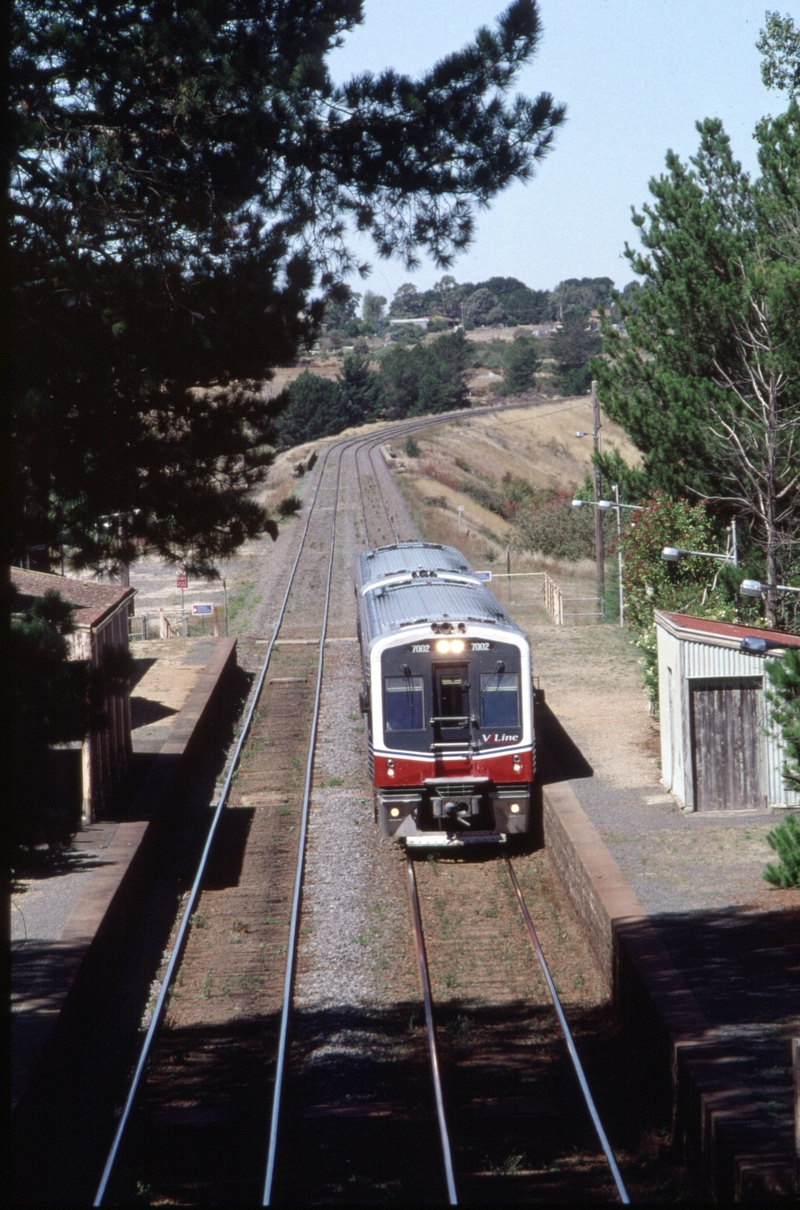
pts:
[412, 561]
[392, 607]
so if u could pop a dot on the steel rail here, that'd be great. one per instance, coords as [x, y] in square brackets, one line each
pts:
[291, 955]
[389, 517]
[432, 1047]
[573, 1054]
[177, 949]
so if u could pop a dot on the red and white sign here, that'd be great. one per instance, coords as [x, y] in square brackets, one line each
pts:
[181, 579]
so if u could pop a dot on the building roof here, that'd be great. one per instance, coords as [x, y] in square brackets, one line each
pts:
[93, 602]
[719, 634]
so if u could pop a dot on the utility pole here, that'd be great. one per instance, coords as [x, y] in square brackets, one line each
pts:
[598, 516]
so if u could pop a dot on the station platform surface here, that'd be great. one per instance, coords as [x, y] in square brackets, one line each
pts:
[59, 900]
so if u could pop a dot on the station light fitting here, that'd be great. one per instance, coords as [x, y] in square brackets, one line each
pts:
[754, 644]
[754, 588]
[673, 553]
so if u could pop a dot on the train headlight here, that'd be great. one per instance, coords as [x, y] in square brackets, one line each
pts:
[395, 812]
[457, 646]
[514, 808]
[443, 646]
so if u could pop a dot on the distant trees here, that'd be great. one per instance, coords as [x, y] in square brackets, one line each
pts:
[501, 300]
[417, 381]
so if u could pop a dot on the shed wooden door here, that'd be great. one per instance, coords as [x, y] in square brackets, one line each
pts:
[727, 744]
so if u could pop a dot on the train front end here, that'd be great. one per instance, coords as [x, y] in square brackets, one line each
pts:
[448, 694]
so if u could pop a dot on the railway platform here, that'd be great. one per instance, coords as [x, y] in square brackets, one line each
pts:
[701, 954]
[59, 904]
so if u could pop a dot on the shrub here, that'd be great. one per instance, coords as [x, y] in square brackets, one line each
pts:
[549, 525]
[289, 506]
[411, 448]
[785, 841]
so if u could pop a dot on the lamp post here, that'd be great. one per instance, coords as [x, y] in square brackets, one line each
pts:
[599, 553]
[603, 506]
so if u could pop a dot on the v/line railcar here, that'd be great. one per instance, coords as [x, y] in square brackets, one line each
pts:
[446, 687]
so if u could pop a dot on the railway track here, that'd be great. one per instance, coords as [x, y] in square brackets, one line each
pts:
[206, 1115]
[281, 721]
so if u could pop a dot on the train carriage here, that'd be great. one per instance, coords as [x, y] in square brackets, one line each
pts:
[447, 693]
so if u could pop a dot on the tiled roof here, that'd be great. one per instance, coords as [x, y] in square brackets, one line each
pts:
[93, 602]
[707, 628]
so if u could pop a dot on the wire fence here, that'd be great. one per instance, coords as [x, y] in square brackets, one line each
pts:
[549, 594]
[176, 624]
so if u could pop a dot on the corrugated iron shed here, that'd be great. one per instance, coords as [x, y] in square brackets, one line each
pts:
[718, 750]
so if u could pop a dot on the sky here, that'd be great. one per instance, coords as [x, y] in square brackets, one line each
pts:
[635, 75]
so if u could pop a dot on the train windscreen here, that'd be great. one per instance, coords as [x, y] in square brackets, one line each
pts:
[404, 703]
[499, 693]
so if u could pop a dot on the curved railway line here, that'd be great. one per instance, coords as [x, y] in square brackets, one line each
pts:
[249, 886]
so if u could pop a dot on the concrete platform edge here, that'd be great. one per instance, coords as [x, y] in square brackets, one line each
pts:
[717, 1123]
[91, 936]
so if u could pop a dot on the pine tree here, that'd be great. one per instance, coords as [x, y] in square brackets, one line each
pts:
[182, 179]
[785, 841]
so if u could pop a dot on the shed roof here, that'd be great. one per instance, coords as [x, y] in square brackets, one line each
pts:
[718, 634]
[93, 602]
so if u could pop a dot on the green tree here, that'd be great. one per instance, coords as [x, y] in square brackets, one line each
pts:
[425, 379]
[341, 310]
[580, 295]
[373, 310]
[359, 390]
[407, 303]
[312, 410]
[520, 363]
[779, 43]
[704, 376]
[482, 308]
[572, 346]
[181, 181]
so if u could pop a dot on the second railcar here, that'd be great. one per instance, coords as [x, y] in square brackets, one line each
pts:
[447, 693]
